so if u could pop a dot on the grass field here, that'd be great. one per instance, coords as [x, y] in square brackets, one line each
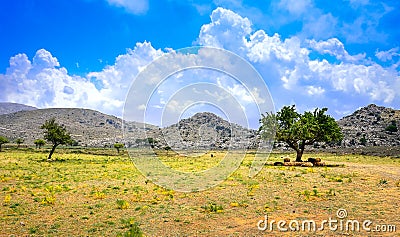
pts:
[100, 193]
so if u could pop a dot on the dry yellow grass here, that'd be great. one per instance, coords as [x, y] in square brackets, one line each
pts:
[101, 195]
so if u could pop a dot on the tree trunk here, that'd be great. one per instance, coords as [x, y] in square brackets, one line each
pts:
[52, 151]
[300, 151]
[0, 147]
[299, 155]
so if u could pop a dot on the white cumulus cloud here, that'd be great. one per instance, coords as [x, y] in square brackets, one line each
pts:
[335, 48]
[289, 62]
[43, 83]
[388, 55]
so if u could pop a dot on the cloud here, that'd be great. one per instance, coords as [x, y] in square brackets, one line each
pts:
[312, 90]
[319, 26]
[44, 59]
[233, 27]
[303, 67]
[68, 90]
[365, 26]
[136, 7]
[295, 7]
[358, 3]
[335, 48]
[388, 55]
[294, 68]
[43, 83]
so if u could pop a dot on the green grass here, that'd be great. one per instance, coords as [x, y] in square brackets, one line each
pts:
[97, 192]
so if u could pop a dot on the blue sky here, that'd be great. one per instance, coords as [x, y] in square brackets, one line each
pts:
[313, 53]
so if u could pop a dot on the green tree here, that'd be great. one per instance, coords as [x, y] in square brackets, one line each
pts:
[167, 148]
[392, 127]
[363, 140]
[39, 143]
[151, 141]
[3, 140]
[56, 134]
[299, 130]
[118, 146]
[19, 141]
[73, 142]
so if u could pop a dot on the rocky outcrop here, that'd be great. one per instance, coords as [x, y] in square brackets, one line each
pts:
[371, 126]
[207, 130]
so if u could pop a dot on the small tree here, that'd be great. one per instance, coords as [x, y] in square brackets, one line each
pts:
[167, 148]
[3, 140]
[56, 134]
[299, 130]
[392, 127]
[39, 143]
[151, 141]
[19, 141]
[73, 142]
[118, 146]
[363, 140]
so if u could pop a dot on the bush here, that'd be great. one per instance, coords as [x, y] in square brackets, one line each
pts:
[363, 140]
[392, 127]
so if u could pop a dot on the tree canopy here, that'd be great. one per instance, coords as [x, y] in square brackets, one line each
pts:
[299, 130]
[19, 141]
[39, 143]
[118, 146]
[56, 134]
[3, 140]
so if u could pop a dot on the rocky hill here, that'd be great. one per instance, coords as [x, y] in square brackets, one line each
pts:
[92, 128]
[367, 127]
[371, 126]
[87, 127]
[7, 108]
[207, 130]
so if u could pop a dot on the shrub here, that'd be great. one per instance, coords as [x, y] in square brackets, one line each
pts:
[392, 127]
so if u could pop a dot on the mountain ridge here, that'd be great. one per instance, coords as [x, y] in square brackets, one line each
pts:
[366, 126]
[9, 107]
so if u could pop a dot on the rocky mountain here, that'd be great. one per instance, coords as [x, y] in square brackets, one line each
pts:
[87, 127]
[367, 127]
[207, 130]
[7, 108]
[371, 126]
[92, 128]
